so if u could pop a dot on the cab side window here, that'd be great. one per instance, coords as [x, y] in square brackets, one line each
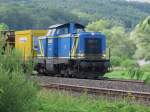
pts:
[51, 32]
[79, 29]
[62, 31]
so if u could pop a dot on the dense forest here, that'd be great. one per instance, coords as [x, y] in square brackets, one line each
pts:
[22, 14]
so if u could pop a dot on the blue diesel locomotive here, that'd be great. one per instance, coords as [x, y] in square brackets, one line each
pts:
[69, 51]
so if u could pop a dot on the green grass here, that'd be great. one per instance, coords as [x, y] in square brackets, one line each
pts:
[52, 101]
[123, 74]
[118, 74]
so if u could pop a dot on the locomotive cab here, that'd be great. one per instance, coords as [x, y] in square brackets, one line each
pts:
[84, 44]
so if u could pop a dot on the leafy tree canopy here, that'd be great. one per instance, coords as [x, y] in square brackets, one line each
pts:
[3, 26]
[23, 14]
[117, 38]
[141, 37]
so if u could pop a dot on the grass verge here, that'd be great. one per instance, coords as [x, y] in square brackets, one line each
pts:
[120, 74]
[52, 101]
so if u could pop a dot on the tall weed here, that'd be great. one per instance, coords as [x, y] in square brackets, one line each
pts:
[17, 91]
[54, 101]
[136, 73]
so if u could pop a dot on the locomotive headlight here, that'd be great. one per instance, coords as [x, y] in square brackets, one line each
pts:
[82, 55]
[104, 55]
[93, 33]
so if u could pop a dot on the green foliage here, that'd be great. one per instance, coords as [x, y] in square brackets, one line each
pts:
[17, 91]
[3, 26]
[140, 35]
[11, 58]
[128, 63]
[29, 18]
[117, 38]
[120, 43]
[60, 11]
[147, 80]
[55, 101]
[99, 25]
[146, 68]
[136, 73]
[116, 61]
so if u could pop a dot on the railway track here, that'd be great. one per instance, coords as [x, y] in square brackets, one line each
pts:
[131, 85]
[114, 88]
[122, 80]
[104, 79]
[143, 97]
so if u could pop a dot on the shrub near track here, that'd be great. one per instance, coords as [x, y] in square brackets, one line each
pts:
[17, 92]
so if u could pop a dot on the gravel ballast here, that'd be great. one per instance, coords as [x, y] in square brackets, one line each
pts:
[127, 86]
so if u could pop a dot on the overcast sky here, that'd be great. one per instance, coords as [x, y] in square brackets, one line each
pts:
[140, 0]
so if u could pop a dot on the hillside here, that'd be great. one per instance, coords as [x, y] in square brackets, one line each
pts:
[21, 14]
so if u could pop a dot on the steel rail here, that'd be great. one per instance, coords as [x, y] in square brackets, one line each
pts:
[103, 79]
[125, 80]
[132, 95]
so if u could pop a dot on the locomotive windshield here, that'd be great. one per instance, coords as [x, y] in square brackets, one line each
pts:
[61, 31]
[51, 32]
[79, 29]
[92, 45]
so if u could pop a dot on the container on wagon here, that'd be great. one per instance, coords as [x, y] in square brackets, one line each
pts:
[27, 42]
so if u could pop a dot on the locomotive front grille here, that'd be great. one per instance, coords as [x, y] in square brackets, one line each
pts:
[92, 45]
[91, 56]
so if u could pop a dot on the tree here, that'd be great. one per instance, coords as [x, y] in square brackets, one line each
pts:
[3, 26]
[141, 37]
[99, 25]
[121, 44]
[117, 38]
[23, 14]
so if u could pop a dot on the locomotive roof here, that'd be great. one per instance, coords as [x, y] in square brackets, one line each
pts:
[66, 24]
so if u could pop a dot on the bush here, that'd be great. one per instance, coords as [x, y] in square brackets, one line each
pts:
[17, 91]
[12, 60]
[115, 61]
[147, 80]
[146, 68]
[129, 63]
[136, 73]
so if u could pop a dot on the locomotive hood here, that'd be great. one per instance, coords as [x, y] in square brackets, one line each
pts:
[92, 43]
[91, 34]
